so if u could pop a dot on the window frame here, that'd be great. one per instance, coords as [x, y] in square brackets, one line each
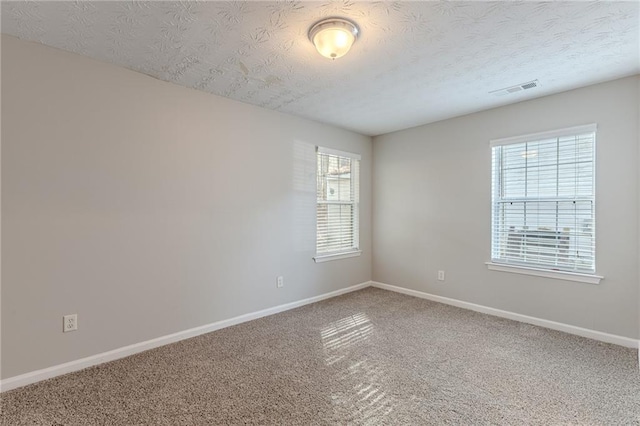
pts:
[534, 268]
[354, 250]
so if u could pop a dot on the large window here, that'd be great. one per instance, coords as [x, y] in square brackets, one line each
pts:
[543, 200]
[337, 204]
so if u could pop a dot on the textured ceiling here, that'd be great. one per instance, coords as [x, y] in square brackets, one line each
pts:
[415, 62]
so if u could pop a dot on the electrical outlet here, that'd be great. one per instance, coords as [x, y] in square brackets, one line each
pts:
[69, 323]
[280, 282]
[440, 275]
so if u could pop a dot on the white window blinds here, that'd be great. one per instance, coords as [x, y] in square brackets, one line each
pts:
[337, 201]
[543, 199]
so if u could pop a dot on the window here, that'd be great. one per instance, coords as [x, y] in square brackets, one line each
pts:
[543, 200]
[337, 204]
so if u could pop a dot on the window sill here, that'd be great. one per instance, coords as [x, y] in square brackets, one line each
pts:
[558, 275]
[336, 256]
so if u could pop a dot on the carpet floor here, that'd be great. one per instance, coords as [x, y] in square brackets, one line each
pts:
[368, 357]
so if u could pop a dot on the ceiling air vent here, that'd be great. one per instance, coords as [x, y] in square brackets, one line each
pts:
[514, 89]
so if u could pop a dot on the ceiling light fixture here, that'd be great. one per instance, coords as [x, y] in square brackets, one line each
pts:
[333, 37]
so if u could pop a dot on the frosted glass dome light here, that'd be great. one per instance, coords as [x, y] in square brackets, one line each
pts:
[333, 37]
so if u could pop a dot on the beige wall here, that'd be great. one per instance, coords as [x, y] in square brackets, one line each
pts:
[147, 208]
[432, 210]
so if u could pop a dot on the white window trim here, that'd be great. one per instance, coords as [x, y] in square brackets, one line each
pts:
[590, 278]
[336, 256]
[337, 153]
[587, 128]
[546, 273]
[355, 251]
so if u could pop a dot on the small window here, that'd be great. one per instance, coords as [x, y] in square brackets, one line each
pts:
[543, 200]
[337, 204]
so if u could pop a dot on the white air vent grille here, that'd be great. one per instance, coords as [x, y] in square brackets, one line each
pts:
[515, 89]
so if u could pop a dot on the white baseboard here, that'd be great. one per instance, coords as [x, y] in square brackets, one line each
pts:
[584, 332]
[80, 364]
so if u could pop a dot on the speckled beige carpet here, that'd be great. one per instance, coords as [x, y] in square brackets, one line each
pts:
[369, 357]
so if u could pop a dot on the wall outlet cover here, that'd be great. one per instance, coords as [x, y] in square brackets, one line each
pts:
[69, 323]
